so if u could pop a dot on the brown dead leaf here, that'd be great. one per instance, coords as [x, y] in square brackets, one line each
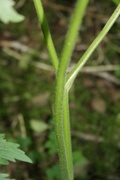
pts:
[41, 99]
[99, 105]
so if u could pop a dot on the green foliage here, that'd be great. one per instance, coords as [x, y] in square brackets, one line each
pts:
[117, 72]
[53, 172]
[78, 157]
[8, 13]
[51, 143]
[10, 152]
[4, 177]
[116, 1]
[80, 164]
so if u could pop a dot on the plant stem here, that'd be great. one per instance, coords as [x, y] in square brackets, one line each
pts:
[67, 133]
[72, 75]
[46, 32]
[61, 117]
[72, 33]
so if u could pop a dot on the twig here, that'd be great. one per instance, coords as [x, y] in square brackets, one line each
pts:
[88, 137]
[96, 69]
[44, 66]
[57, 6]
[108, 77]
[15, 45]
[22, 125]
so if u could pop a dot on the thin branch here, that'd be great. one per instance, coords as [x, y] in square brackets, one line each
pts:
[108, 77]
[46, 32]
[72, 75]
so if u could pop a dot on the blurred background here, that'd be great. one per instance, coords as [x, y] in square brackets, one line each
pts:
[27, 84]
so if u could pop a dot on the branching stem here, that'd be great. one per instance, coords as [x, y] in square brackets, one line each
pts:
[63, 83]
[72, 75]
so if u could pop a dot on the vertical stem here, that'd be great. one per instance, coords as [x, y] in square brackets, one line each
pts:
[46, 32]
[61, 109]
[60, 106]
[67, 133]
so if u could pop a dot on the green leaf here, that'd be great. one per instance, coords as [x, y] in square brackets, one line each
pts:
[3, 161]
[53, 172]
[78, 157]
[2, 136]
[4, 176]
[8, 13]
[51, 143]
[10, 152]
[80, 164]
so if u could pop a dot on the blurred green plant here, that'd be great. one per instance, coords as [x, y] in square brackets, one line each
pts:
[116, 1]
[50, 143]
[4, 177]
[64, 80]
[10, 151]
[117, 72]
[53, 172]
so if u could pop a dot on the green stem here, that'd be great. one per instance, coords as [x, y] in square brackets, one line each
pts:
[74, 27]
[67, 133]
[72, 75]
[46, 32]
[60, 107]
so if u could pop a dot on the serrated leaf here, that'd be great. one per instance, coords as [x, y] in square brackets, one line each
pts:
[10, 152]
[8, 13]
